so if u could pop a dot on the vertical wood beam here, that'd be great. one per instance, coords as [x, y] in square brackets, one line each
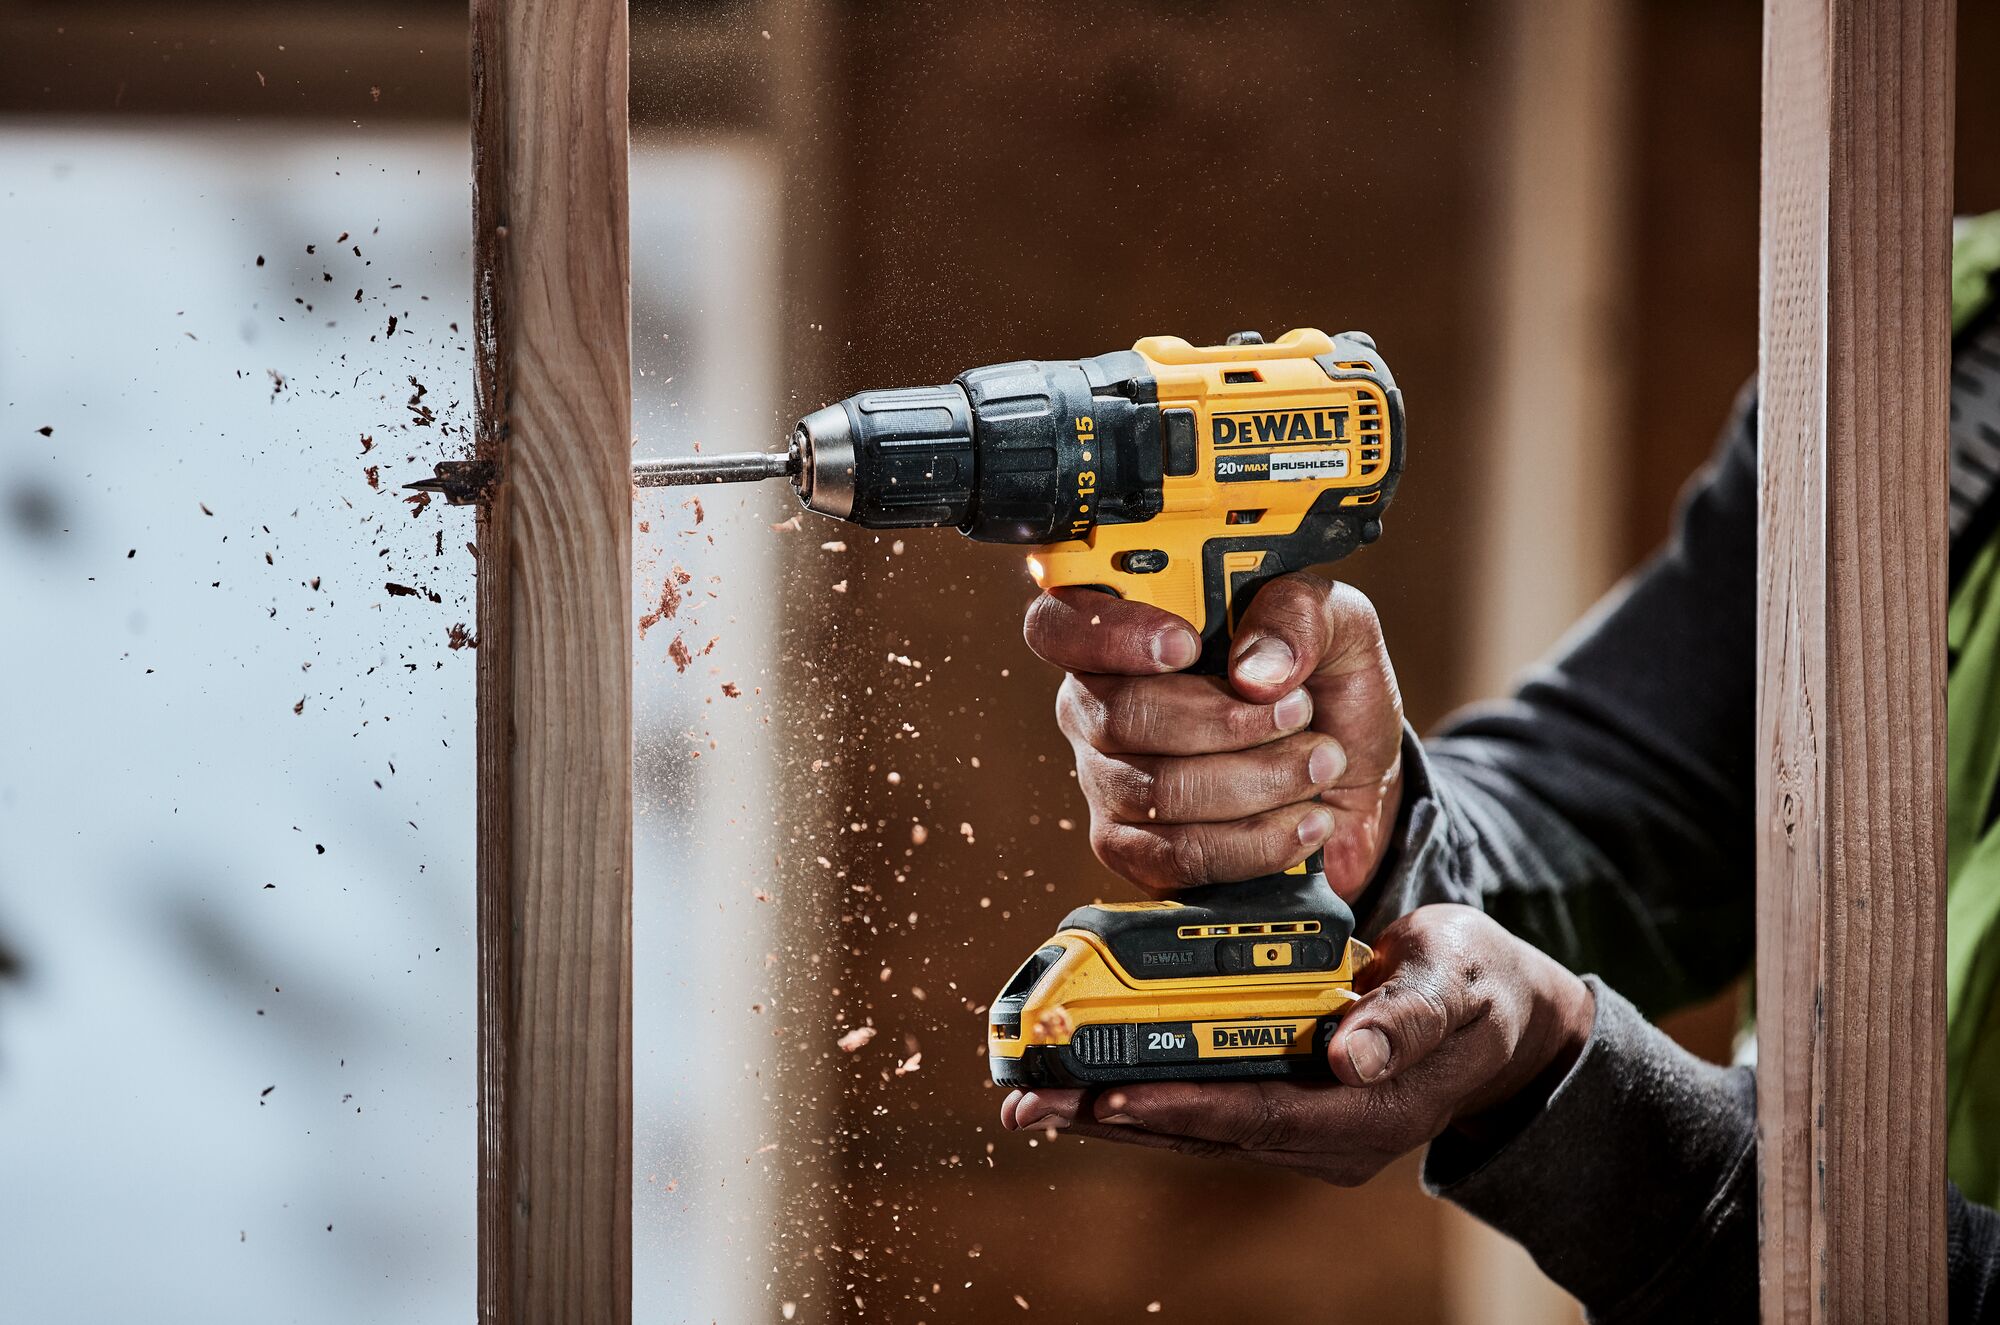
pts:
[1854, 354]
[553, 393]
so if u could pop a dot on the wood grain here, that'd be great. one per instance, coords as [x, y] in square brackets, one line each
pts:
[553, 343]
[1854, 353]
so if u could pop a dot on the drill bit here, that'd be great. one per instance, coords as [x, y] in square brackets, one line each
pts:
[462, 482]
[740, 467]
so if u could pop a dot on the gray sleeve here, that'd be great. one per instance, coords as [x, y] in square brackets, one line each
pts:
[1604, 811]
[1972, 1260]
[1635, 1186]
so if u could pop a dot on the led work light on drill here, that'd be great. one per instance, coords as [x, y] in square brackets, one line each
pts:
[1181, 476]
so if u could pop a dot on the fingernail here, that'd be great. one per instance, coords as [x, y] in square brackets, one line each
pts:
[1176, 648]
[1119, 1119]
[1266, 662]
[1368, 1051]
[1316, 827]
[1328, 762]
[1293, 711]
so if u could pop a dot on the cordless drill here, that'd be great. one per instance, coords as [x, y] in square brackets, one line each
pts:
[1182, 476]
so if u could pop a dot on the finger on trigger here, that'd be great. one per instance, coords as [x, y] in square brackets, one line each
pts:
[1085, 630]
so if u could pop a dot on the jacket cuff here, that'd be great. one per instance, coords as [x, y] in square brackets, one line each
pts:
[1635, 1180]
[1421, 865]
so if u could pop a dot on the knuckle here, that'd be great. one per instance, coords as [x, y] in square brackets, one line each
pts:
[1247, 723]
[1297, 593]
[1349, 605]
[1106, 844]
[1280, 774]
[1080, 714]
[1420, 1012]
[1134, 854]
[1129, 789]
[1131, 721]
[1186, 856]
[1294, 605]
[1277, 842]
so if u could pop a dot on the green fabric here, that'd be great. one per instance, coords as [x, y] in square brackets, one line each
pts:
[1975, 257]
[1972, 872]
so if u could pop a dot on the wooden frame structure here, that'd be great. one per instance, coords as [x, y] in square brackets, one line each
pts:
[552, 311]
[1854, 355]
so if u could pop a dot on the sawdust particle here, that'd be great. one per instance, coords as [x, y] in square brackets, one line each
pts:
[670, 603]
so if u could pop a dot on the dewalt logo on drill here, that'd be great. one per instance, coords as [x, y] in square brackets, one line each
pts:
[1279, 427]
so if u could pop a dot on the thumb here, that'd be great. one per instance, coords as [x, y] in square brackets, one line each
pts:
[1297, 626]
[1395, 1025]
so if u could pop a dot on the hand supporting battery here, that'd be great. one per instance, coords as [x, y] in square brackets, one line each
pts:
[1196, 779]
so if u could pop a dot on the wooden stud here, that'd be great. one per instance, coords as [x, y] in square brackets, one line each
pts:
[553, 343]
[1854, 355]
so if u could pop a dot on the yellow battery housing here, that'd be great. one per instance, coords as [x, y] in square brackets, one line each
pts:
[1242, 981]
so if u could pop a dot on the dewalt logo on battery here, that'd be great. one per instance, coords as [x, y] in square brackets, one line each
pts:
[1250, 1037]
[1279, 427]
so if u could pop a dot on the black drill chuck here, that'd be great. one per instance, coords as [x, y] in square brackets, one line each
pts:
[1026, 452]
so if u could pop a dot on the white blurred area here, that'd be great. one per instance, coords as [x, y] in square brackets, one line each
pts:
[237, 1063]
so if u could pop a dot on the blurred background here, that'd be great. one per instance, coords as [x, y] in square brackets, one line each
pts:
[236, 911]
